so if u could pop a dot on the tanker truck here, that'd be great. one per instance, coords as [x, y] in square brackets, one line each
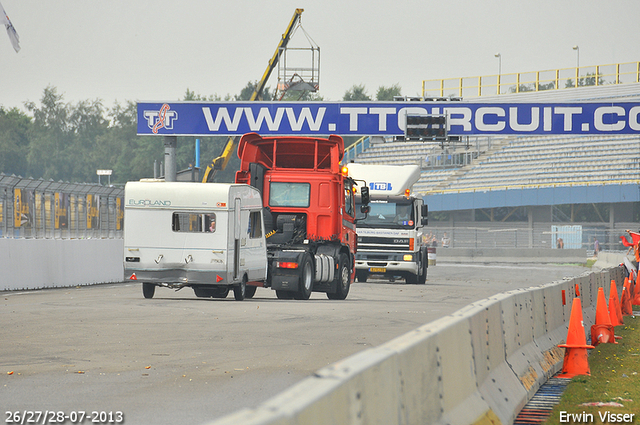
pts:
[390, 236]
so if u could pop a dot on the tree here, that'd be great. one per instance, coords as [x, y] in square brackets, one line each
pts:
[387, 93]
[87, 124]
[589, 80]
[247, 91]
[50, 135]
[356, 93]
[192, 96]
[129, 156]
[15, 126]
[522, 88]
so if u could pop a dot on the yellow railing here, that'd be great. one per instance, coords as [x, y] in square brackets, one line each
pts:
[551, 79]
[530, 186]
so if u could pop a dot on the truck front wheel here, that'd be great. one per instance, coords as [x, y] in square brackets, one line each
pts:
[424, 266]
[344, 279]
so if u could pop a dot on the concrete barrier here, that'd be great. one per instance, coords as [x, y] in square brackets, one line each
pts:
[511, 255]
[607, 259]
[51, 263]
[479, 365]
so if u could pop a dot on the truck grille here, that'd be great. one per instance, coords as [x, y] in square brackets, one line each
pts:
[376, 243]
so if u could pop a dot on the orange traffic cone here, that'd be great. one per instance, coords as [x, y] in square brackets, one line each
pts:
[636, 296]
[625, 302]
[614, 306]
[576, 360]
[602, 331]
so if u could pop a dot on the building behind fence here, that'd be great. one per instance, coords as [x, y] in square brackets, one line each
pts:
[45, 209]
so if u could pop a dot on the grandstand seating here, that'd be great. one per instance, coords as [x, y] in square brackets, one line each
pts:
[516, 162]
[522, 161]
[554, 160]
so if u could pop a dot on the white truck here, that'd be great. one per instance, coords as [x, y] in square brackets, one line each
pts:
[390, 236]
[206, 236]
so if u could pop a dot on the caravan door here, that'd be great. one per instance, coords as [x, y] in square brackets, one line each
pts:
[237, 229]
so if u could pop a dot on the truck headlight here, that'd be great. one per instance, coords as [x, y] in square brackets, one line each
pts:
[408, 257]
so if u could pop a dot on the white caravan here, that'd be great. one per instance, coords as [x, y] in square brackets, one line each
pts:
[209, 236]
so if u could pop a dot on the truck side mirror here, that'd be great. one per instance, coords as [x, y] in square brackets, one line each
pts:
[425, 215]
[365, 209]
[364, 195]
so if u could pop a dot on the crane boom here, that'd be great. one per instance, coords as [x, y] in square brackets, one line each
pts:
[220, 163]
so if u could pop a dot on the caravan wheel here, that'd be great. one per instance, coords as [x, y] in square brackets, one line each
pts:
[240, 291]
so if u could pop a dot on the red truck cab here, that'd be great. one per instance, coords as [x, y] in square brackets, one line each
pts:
[309, 208]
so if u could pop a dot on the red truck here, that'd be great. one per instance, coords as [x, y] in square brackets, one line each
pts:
[309, 212]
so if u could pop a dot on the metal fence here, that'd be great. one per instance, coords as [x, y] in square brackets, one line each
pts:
[540, 235]
[45, 209]
[551, 79]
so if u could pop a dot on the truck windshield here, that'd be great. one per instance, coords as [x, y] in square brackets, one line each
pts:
[389, 215]
[289, 194]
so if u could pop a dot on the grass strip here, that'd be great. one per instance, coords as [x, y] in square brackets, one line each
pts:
[614, 381]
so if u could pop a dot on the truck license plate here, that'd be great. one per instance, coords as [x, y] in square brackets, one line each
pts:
[378, 270]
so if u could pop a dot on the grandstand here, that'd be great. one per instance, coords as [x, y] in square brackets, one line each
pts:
[534, 161]
[534, 175]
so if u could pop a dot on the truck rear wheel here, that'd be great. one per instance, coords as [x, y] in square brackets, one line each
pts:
[148, 289]
[250, 292]
[305, 284]
[284, 295]
[343, 279]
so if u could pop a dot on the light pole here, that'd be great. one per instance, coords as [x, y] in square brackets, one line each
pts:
[577, 49]
[499, 56]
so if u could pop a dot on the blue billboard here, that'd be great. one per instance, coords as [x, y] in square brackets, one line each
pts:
[384, 118]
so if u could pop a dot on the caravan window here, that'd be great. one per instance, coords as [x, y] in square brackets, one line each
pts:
[193, 223]
[255, 225]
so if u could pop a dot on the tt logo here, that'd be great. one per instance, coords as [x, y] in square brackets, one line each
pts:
[160, 119]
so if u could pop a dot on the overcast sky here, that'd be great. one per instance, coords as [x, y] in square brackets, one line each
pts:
[142, 50]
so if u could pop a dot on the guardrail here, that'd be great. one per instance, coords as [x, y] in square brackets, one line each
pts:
[351, 152]
[530, 186]
[42, 209]
[551, 79]
[478, 365]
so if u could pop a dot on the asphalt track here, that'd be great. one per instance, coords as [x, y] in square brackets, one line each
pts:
[181, 359]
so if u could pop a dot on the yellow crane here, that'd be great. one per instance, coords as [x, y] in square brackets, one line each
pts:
[220, 163]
